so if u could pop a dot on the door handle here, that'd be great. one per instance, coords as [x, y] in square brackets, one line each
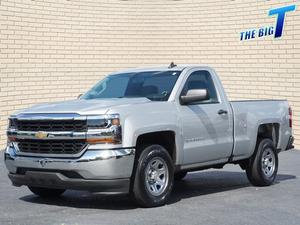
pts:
[222, 111]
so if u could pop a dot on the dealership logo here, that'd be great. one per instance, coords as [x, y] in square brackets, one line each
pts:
[269, 30]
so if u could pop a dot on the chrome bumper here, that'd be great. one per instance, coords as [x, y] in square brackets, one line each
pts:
[95, 168]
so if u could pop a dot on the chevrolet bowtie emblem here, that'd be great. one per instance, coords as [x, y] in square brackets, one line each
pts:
[41, 135]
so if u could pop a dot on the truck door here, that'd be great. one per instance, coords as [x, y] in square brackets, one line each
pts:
[207, 127]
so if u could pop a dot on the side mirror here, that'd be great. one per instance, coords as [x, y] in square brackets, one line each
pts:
[194, 95]
[78, 97]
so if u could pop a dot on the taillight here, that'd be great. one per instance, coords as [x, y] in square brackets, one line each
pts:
[290, 117]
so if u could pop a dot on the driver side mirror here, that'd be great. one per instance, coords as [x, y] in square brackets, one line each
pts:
[78, 97]
[194, 95]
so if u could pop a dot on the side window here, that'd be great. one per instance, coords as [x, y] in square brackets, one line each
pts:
[201, 80]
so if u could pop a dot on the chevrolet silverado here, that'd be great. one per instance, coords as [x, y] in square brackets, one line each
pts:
[138, 130]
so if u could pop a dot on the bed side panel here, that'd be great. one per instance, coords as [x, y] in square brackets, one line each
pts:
[248, 115]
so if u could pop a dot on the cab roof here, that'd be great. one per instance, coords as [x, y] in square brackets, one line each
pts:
[160, 68]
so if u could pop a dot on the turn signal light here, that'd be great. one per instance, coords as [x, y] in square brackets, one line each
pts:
[115, 122]
[11, 138]
[102, 141]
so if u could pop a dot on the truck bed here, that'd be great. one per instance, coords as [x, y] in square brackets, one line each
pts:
[249, 114]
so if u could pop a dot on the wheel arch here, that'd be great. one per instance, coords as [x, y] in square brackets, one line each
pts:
[269, 130]
[165, 138]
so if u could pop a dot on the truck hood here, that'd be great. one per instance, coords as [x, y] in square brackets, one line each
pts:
[82, 106]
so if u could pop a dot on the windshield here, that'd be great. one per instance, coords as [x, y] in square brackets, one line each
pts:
[154, 85]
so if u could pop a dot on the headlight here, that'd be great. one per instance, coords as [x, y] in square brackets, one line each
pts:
[104, 129]
[11, 123]
[103, 121]
[11, 126]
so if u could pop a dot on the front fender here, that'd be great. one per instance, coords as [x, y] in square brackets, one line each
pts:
[133, 128]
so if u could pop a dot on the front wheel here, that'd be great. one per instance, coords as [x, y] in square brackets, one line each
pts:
[153, 177]
[46, 192]
[263, 165]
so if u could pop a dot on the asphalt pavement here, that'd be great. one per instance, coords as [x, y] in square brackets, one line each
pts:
[221, 197]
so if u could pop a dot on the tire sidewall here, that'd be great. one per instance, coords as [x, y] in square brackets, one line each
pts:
[263, 145]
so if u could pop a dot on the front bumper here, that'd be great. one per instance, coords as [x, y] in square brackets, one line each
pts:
[103, 170]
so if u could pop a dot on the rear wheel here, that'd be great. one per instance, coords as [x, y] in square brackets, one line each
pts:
[46, 192]
[153, 178]
[263, 165]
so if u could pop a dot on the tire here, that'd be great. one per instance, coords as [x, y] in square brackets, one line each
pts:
[46, 192]
[153, 177]
[263, 165]
[180, 175]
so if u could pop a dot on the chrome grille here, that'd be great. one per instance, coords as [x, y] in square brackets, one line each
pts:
[51, 146]
[51, 125]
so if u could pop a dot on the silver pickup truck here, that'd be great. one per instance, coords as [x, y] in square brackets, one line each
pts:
[139, 130]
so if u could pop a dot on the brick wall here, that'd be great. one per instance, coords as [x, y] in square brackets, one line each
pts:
[55, 49]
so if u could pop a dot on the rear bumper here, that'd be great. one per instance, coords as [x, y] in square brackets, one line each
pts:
[103, 170]
[290, 144]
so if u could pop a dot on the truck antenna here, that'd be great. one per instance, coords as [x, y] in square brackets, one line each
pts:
[171, 65]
